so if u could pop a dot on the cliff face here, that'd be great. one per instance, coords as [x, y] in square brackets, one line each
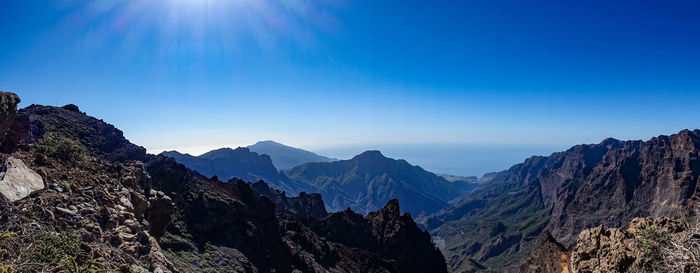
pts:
[613, 182]
[607, 184]
[108, 205]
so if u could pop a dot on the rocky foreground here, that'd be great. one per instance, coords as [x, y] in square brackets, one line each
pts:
[76, 196]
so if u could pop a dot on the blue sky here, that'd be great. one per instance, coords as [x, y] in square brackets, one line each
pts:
[323, 75]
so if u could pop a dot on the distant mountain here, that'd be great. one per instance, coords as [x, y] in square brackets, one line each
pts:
[227, 163]
[369, 180]
[587, 186]
[285, 157]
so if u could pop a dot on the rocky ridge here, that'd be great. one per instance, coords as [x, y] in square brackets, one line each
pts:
[607, 184]
[107, 205]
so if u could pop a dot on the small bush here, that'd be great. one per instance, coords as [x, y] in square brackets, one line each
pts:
[55, 248]
[653, 237]
[55, 146]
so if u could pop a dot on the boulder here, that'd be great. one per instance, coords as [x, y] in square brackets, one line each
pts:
[160, 211]
[18, 181]
[8, 110]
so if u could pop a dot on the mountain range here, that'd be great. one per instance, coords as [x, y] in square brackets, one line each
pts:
[363, 183]
[367, 180]
[606, 184]
[75, 195]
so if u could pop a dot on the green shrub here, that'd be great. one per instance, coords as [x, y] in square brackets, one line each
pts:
[58, 147]
[55, 248]
[652, 237]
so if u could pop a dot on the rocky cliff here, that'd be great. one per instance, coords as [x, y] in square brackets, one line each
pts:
[607, 184]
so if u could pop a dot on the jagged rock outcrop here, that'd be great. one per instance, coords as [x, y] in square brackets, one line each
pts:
[630, 249]
[387, 233]
[18, 181]
[303, 205]
[8, 110]
[240, 223]
[549, 256]
[607, 184]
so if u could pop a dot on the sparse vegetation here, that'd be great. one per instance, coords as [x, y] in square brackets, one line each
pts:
[3, 267]
[47, 252]
[681, 254]
[653, 237]
[55, 146]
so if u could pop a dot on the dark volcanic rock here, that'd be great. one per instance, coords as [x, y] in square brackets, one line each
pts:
[101, 139]
[224, 217]
[303, 205]
[549, 256]
[401, 239]
[387, 233]
[8, 110]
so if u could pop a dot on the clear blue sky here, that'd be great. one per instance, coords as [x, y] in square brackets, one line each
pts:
[198, 74]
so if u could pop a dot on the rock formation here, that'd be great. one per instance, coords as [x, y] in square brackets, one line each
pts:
[18, 181]
[8, 110]
[549, 256]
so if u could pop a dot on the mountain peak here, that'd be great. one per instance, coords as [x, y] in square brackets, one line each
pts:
[268, 142]
[370, 154]
[286, 157]
[392, 208]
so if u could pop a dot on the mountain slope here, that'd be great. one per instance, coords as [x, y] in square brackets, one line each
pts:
[588, 185]
[227, 163]
[367, 181]
[285, 157]
[110, 206]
